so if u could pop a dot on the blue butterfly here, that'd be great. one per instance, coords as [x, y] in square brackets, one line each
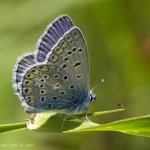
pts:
[56, 76]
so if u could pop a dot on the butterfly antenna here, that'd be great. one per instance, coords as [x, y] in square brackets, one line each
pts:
[102, 97]
[99, 84]
[102, 81]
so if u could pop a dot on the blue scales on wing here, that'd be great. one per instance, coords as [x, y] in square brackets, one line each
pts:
[23, 63]
[52, 35]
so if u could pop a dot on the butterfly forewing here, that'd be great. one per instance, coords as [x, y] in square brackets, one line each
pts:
[71, 55]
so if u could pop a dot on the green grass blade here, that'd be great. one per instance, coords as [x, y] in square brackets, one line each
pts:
[51, 121]
[101, 113]
[12, 127]
[52, 117]
[136, 126]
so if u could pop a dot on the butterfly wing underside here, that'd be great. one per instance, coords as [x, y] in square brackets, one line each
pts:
[60, 78]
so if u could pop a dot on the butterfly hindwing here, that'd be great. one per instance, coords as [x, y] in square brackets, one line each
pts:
[23, 63]
[49, 87]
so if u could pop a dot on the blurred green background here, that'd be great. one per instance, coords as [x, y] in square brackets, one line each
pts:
[118, 37]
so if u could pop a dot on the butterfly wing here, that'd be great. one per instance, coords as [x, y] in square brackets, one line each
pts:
[60, 78]
[62, 82]
[23, 63]
[48, 39]
[49, 87]
[71, 54]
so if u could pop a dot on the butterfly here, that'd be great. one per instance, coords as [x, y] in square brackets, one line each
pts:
[56, 76]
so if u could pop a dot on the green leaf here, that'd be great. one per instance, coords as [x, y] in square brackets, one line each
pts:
[137, 126]
[52, 117]
[51, 122]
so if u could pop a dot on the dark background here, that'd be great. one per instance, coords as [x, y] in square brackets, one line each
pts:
[118, 37]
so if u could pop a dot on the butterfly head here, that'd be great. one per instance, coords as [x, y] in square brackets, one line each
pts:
[93, 96]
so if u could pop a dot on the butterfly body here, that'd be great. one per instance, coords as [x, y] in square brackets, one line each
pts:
[56, 76]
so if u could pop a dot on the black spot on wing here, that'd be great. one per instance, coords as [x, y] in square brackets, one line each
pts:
[77, 64]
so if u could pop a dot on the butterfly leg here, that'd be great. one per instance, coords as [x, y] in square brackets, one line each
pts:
[63, 122]
[86, 116]
[66, 116]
